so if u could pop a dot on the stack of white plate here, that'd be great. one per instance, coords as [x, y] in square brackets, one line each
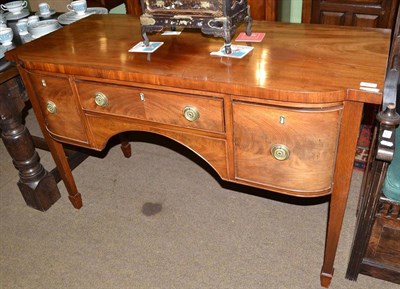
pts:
[71, 16]
[44, 27]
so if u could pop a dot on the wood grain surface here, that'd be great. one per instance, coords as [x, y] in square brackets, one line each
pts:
[304, 63]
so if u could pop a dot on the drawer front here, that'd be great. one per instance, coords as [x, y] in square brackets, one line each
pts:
[289, 149]
[178, 109]
[59, 107]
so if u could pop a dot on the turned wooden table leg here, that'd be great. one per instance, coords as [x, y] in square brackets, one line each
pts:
[38, 187]
[351, 120]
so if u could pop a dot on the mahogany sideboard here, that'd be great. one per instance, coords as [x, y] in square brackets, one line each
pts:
[284, 118]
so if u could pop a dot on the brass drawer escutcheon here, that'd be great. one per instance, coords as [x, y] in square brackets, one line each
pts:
[101, 99]
[191, 113]
[280, 152]
[51, 107]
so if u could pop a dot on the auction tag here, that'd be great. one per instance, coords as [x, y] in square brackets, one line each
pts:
[370, 89]
[368, 84]
[386, 143]
[141, 47]
[387, 134]
[238, 51]
[254, 37]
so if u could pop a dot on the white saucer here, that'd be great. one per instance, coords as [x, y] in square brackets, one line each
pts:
[38, 35]
[97, 10]
[52, 12]
[70, 17]
[24, 12]
[43, 27]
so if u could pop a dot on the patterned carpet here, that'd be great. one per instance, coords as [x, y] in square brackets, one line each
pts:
[363, 147]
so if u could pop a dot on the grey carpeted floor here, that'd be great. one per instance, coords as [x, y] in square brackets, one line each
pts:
[160, 220]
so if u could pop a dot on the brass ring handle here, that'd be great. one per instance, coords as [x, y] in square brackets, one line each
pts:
[191, 113]
[280, 152]
[101, 99]
[51, 107]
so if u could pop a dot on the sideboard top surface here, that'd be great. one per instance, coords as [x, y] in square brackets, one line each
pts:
[294, 62]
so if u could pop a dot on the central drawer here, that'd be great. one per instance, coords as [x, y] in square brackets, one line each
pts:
[185, 110]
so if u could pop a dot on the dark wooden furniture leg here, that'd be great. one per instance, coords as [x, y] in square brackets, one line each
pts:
[366, 214]
[133, 7]
[125, 146]
[37, 186]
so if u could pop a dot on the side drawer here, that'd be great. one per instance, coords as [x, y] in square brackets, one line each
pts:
[59, 107]
[293, 150]
[153, 105]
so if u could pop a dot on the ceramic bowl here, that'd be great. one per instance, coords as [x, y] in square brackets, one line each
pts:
[15, 7]
[6, 36]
